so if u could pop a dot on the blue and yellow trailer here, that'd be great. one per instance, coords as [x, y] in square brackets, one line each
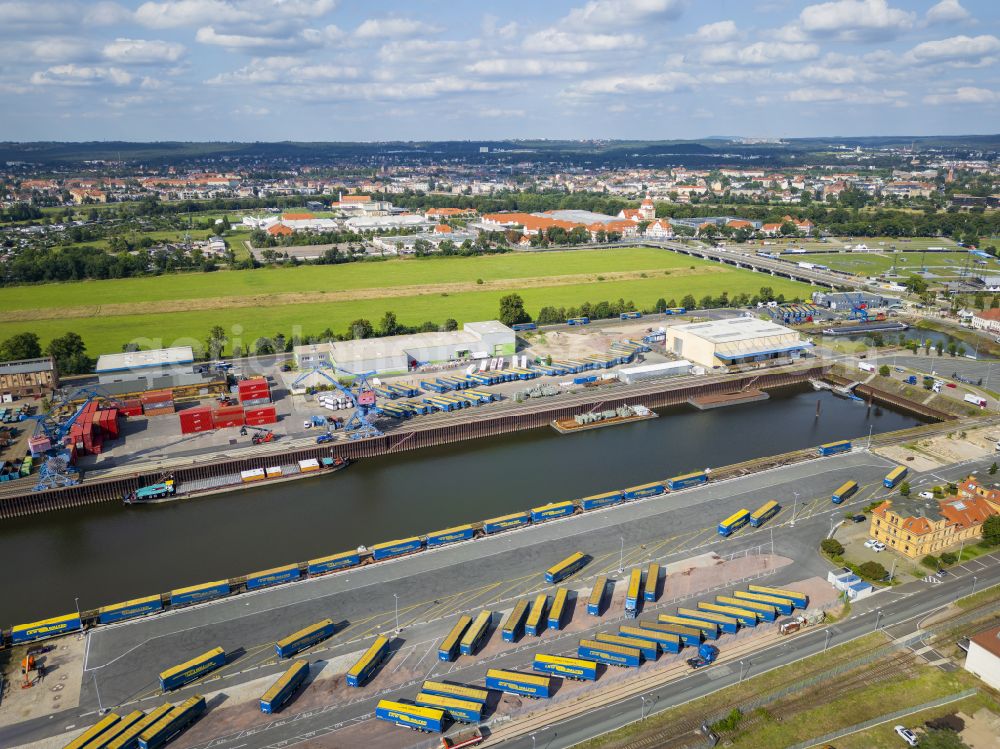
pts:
[117, 612]
[426, 719]
[728, 624]
[476, 633]
[458, 691]
[105, 739]
[567, 567]
[186, 672]
[449, 648]
[552, 511]
[746, 617]
[734, 522]
[643, 491]
[198, 593]
[129, 738]
[171, 724]
[597, 596]
[606, 652]
[801, 600]
[515, 682]
[397, 548]
[88, 737]
[687, 480]
[650, 648]
[844, 491]
[578, 669]
[506, 522]
[365, 666]
[57, 625]
[304, 638]
[894, 477]
[460, 711]
[535, 623]
[668, 643]
[272, 576]
[763, 610]
[450, 535]
[710, 630]
[600, 500]
[688, 635]
[557, 609]
[651, 590]
[333, 563]
[634, 591]
[512, 627]
[783, 605]
[284, 687]
[832, 448]
[764, 513]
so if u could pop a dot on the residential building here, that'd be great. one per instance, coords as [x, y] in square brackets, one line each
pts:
[983, 658]
[917, 527]
[908, 189]
[660, 230]
[28, 378]
[988, 319]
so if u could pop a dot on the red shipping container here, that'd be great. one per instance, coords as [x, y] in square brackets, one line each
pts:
[160, 411]
[253, 382]
[195, 428]
[157, 396]
[229, 421]
[257, 421]
[131, 407]
[259, 410]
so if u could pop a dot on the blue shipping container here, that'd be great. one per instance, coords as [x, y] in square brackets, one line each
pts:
[689, 479]
[463, 533]
[643, 492]
[600, 500]
[45, 628]
[129, 609]
[332, 563]
[199, 593]
[272, 577]
[395, 548]
[506, 522]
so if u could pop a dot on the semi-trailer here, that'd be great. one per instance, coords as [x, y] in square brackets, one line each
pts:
[669, 643]
[746, 617]
[597, 596]
[569, 668]
[764, 513]
[57, 625]
[304, 638]
[88, 737]
[687, 480]
[284, 687]
[633, 592]
[273, 576]
[458, 691]
[568, 566]
[727, 624]
[460, 711]
[195, 668]
[832, 448]
[650, 649]
[688, 635]
[556, 610]
[644, 491]
[506, 522]
[512, 627]
[600, 500]
[894, 477]
[783, 605]
[362, 670]
[129, 738]
[734, 522]
[333, 563]
[651, 590]
[844, 491]
[709, 630]
[613, 655]
[171, 724]
[552, 511]
[129, 609]
[199, 593]
[450, 645]
[535, 623]
[801, 600]
[450, 535]
[426, 719]
[396, 548]
[515, 682]
[476, 633]
[104, 740]
[762, 610]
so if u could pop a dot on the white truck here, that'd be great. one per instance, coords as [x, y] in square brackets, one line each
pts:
[976, 400]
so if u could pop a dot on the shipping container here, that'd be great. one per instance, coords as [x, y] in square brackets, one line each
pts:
[650, 649]
[734, 522]
[129, 738]
[600, 500]
[515, 682]
[687, 480]
[566, 568]
[155, 396]
[506, 522]
[88, 737]
[800, 600]
[764, 513]
[644, 491]
[651, 591]
[688, 635]
[783, 605]
[613, 655]
[304, 638]
[460, 711]
[362, 670]
[286, 685]
[512, 627]
[273, 576]
[450, 535]
[334, 562]
[171, 724]
[535, 623]
[578, 669]
[709, 630]
[457, 691]
[195, 668]
[762, 610]
[426, 719]
[252, 474]
[746, 617]
[634, 591]
[552, 511]
[894, 477]
[58, 625]
[129, 609]
[476, 633]
[597, 596]
[309, 465]
[199, 593]
[832, 448]
[845, 491]
[557, 610]
[449, 648]
[396, 548]
[728, 624]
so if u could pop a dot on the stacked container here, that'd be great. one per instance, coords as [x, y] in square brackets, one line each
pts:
[197, 419]
[254, 392]
[39, 445]
[131, 407]
[158, 402]
[228, 416]
[256, 416]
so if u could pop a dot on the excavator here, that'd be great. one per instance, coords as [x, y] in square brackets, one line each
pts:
[29, 665]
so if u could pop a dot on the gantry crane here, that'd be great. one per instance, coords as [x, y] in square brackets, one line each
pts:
[361, 394]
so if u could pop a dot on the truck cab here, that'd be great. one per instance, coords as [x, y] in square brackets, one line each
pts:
[706, 656]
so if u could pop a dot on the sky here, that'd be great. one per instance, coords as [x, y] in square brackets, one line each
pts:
[336, 70]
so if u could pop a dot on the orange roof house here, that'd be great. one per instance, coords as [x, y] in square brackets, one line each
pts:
[279, 230]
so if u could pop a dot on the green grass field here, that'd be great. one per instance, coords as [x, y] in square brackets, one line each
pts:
[941, 264]
[109, 332]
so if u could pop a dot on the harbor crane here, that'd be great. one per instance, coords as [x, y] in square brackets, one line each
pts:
[358, 425]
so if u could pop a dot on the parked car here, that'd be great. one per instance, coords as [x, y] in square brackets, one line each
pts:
[859, 518]
[907, 735]
[307, 424]
[926, 495]
[870, 543]
[950, 385]
[878, 546]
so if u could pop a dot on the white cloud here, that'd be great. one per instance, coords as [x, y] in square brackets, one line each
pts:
[175, 13]
[514, 67]
[106, 14]
[947, 11]
[956, 49]
[246, 110]
[394, 28]
[495, 112]
[759, 53]
[81, 75]
[141, 51]
[50, 49]
[854, 19]
[492, 28]
[22, 13]
[852, 96]
[554, 41]
[651, 83]
[720, 31]
[286, 71]
[208, 35]
[424, 51]
[598, 14]
[965, 95]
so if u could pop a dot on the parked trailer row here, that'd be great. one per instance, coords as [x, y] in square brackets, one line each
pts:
[171, 724]
[578, 669]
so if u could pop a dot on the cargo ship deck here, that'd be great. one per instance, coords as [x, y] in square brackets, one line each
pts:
[569, 425]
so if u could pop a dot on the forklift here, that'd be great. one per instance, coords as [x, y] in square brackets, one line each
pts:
[260, 435]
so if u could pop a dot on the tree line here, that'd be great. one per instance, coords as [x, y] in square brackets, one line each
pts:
[69, 351]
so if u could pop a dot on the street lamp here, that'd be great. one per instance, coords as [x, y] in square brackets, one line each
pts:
[974, 579]
[871, 427]
[878, 615]
[77, 601]
[742, 672]
[827, 643]
[621, 559]
[642, 707]
[397, 612]
[795, 508]
[532, 740]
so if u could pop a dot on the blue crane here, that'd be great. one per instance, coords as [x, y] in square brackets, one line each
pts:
[358, 424]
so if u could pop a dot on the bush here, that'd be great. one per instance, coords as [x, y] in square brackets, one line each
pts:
[904, 489]
[884, 370]
[872, 571]
[832, 546]
[730, 723]
[930, 561]
[949, 558]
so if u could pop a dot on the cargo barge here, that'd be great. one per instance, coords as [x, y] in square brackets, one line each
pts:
[582, 422]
